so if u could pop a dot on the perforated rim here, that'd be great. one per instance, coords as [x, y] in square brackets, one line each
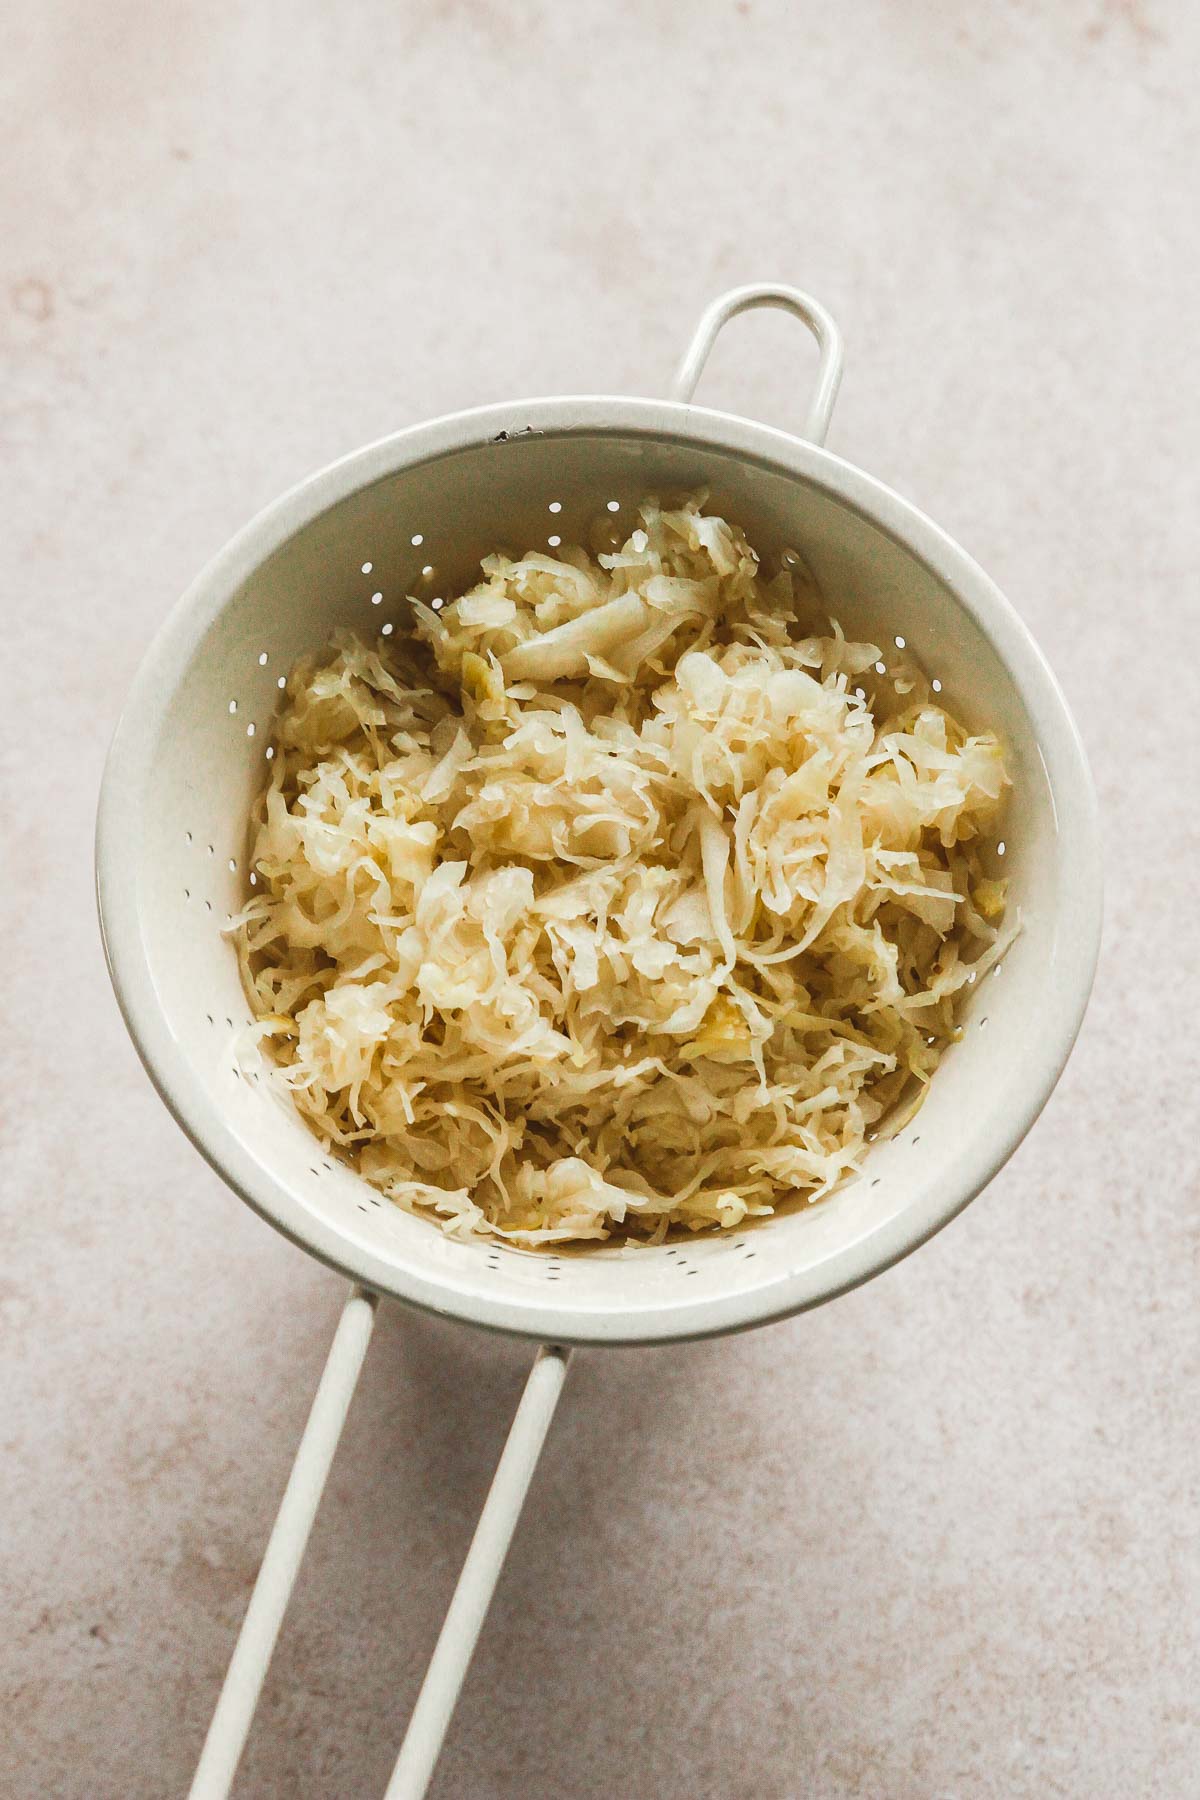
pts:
[123, 797]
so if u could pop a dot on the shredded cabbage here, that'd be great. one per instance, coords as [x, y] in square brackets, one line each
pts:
[609, 902]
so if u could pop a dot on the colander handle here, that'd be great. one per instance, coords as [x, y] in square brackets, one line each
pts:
[452, 1654]
[789, 299]
[285, 1547]
[480, 1572]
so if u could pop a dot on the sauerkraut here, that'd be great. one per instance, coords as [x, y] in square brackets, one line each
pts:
[613, 899]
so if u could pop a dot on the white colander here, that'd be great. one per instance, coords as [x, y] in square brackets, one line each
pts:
[413, 514]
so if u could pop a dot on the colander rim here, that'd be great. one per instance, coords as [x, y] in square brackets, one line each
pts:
[122, 794]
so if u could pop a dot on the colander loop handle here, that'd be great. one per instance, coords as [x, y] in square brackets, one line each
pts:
[789, 299]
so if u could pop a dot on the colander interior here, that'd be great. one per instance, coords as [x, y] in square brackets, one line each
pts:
[347, 549]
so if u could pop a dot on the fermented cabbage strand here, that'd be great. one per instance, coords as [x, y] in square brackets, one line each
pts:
[609, 902]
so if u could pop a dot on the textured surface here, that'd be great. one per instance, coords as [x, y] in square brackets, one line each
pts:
[936, 1540]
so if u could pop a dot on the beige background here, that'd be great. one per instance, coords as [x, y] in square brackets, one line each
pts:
[937, 1540]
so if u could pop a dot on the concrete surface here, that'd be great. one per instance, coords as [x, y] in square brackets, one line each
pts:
[937, 1540]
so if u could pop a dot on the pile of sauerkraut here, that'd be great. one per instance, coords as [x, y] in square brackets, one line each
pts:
[609, 901]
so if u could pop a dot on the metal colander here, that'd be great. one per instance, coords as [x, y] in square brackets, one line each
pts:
[413, 514]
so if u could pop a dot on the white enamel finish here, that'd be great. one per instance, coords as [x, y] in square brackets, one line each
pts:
[191, 751]
[183, 769]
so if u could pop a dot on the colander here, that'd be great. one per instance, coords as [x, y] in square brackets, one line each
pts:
[413, 514]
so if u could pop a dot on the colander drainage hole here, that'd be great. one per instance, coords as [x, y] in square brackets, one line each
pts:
[233, 865]
[876, 1181]
[555, 506]
[187, 837]
[937, 687]
[262, 659]
[233, 706]
[554, 541]
[377, 598]
[210, 1018]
